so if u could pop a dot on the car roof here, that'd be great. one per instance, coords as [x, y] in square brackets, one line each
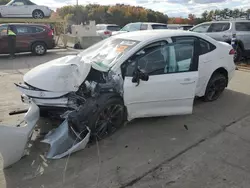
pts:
[148, 23]
[147, 35]
[224, 21]
[106, 25]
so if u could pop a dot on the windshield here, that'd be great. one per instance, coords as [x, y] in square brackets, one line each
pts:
[105, 53]
[131, 27]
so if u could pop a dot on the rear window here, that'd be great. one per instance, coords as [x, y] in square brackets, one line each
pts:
[242, 26]
[219, 27]
[159, 26]
[113, 28]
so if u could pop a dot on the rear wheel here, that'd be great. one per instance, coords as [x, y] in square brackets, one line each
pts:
[39, 48]
[215, 87]
[38, 14]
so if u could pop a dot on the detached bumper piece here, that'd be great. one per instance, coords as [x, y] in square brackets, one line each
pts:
[65, 140]
[14, 139]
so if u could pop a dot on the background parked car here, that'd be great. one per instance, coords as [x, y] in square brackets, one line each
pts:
[224, 30]
[141, 26]
[29, 37]
[24, 8]
[105, 30]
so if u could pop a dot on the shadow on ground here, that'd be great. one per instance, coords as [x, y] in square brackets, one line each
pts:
[132, 152]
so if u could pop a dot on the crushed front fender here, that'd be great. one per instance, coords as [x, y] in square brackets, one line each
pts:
[14, 139]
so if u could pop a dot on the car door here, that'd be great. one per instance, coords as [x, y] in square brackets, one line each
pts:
[170, 89]
[243, 33]
[17, 9]
[220, 31]
[3, 39]
[24, 37]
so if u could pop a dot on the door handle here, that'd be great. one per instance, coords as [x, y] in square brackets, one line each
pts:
[187, 81]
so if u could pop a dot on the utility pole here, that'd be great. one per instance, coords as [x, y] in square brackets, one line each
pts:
[76, 2]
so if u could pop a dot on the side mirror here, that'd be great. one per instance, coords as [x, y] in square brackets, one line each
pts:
[140, 74]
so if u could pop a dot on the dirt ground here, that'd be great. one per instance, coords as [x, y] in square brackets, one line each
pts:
[151, 152]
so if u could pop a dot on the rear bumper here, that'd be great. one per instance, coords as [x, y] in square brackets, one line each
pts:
[51, 44]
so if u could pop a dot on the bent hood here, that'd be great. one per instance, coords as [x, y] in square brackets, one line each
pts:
[64, 74]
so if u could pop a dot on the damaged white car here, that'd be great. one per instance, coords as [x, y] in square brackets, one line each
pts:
[127, 76]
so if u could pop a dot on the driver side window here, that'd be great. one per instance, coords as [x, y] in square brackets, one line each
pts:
[163, 58]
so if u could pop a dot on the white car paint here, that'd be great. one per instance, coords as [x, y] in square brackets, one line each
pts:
[186, 82]
[106, 30]
[66, 72]
[13, 140]
[16, 10]
[138, 26]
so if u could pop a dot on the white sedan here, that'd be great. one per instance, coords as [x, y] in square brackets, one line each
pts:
[127, 76]
[24, 9]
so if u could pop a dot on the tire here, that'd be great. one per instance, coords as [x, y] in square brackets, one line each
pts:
[238, 55]
[97, 114]
[38, 14]
[102, 130]
[39, 48]
[215, 87]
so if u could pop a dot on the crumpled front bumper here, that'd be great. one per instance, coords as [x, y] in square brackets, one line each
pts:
[14, 139]
[63, 140]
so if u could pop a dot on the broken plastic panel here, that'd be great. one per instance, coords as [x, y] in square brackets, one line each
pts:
[14, 139]
[65, 140]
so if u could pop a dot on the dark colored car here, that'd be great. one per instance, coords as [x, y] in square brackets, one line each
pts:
[34, 38]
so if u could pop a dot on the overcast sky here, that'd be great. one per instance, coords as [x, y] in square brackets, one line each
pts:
[173, 8]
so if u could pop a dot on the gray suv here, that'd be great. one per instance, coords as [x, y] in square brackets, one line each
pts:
[224, 30]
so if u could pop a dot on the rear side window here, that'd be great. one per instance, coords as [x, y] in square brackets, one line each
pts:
[144, 26]
[205, 47]
[29, 29]
[37, 29]
[113, 28]
[23, 29]
[159, 26]
[242, 26]
[219, 27]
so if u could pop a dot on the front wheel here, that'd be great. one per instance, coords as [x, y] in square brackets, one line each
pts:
[215, 87]
[108, 118]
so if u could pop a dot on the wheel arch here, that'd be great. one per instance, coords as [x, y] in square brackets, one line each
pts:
[33, 43]
[220, 70]
[37, 9]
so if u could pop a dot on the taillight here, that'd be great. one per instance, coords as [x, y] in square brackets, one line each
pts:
[232, 52]
[107, 33]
